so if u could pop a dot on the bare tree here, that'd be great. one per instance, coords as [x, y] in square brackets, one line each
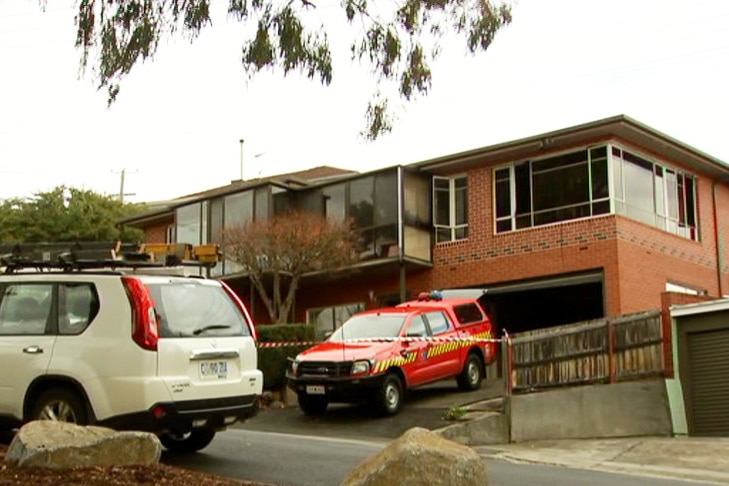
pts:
[275, 254]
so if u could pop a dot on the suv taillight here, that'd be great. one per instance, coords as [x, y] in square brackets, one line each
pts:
[144, 319]
[242, 308]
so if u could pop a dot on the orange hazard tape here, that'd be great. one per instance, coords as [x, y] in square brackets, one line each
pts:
[282, 344]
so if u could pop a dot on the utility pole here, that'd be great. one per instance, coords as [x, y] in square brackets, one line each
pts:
[121, 186]
[241, 158]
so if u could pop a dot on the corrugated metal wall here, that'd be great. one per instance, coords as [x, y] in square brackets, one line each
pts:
[708, 380]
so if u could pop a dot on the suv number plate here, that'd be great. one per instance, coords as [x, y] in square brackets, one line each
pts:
[212, 370]
[315, 389]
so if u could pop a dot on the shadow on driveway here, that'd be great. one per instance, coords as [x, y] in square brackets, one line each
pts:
[423, 407]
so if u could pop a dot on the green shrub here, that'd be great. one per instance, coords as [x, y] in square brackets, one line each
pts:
[274, 362]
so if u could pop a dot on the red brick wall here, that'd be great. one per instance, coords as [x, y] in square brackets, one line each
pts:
[669, 299]
[637, 259]
[156, 233]
[722, 205]
[488, 258]
[648, 258]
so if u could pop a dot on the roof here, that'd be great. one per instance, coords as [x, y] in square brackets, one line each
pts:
[621, 127]
[160, 210]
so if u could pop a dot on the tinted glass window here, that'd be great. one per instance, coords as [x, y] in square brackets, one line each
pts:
[196, 309]
[25, 308]
[78, 306]
[468, 313]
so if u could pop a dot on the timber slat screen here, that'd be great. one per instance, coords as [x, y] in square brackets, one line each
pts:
[600, 351]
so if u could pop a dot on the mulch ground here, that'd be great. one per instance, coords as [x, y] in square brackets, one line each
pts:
[159, 474]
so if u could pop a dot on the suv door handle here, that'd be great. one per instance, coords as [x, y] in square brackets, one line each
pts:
[33, 349]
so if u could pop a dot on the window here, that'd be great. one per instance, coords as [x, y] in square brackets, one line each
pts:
[558, 188]
[450, 208]
[468, 313]
[25, 308]
[654, 194]
[417, 328]
[78, 306]
[327, 319]
[189, 224]
[577, 185]
[196, 309]
[438, 322]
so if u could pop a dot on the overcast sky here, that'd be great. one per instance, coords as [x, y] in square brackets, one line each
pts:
[176, 126]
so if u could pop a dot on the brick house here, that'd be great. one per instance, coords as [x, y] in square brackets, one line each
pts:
[589, 221]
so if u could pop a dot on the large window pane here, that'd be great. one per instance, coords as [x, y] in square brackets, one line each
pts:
[638, 184]
[503, 193]
[188, 224]
[461, 201]
[599, 173]
[441, 196]
[386, 198]
[561, 187]
[283, 201]
[238, 209]
[361, 201]
[523, 188]
[261, 195]
[450, 201]
[335, 205]
[417, 200]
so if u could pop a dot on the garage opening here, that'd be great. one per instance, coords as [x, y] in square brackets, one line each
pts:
[546, 303]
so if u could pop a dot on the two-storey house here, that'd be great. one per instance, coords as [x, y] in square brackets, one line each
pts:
[594, 220]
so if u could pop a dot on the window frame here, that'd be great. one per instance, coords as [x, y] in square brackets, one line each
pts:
[458, 209]
[521, 213]
[672, 191]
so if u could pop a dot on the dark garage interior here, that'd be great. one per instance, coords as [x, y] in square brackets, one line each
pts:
[525, 310]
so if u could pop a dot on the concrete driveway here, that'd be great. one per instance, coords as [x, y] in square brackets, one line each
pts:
[423, 407]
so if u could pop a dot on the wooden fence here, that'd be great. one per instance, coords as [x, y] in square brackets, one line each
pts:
[600, 351]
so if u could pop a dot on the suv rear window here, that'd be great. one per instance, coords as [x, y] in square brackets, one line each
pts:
[196, 309]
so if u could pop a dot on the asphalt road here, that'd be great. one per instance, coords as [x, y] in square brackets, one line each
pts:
[424, 407]
[323, 460]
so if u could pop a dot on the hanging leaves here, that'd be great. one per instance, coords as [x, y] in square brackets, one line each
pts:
[399, 40]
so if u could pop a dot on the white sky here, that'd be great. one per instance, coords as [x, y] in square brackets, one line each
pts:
[176, 124]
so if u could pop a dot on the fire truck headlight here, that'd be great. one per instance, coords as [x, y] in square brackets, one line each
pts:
[360, 367]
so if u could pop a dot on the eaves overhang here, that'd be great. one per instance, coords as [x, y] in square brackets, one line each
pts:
[619, 127]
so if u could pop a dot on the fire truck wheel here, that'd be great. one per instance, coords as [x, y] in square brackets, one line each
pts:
[472, 374]
[389, 397]
[312, 405]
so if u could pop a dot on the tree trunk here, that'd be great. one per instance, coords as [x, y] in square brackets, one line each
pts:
[289, 301]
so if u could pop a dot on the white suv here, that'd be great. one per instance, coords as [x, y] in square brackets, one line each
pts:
[118, 343]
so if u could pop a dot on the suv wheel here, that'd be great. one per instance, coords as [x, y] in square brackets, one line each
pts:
[472, 374]
[312, 405]
[390, 395]
[60, 404]
[188, 442]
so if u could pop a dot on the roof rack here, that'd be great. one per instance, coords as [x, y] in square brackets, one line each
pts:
[71, 256]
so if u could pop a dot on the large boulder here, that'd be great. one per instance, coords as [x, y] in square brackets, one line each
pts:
[419, 457]
[51, 444]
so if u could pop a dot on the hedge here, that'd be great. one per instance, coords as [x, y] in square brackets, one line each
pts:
[274, 362]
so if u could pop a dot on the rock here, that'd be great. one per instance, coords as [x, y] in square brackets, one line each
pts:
[420, 457]
[51, 444]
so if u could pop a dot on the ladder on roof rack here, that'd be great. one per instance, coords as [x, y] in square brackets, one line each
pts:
[71, 256]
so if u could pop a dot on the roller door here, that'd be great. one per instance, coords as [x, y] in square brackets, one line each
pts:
[708, 370]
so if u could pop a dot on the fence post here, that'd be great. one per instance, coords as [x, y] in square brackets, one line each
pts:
[507, 363]
[612, 365]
